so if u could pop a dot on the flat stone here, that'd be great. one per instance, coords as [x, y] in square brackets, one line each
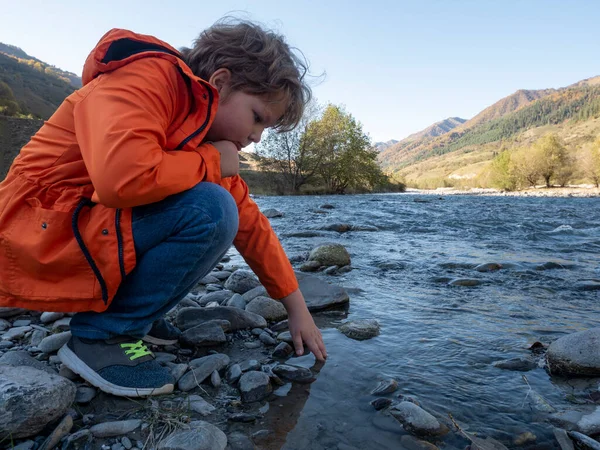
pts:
[203, 335]
[255, 386]
[218, 296]
[236, 301]
[201, 369]
[239, 319]
[117, 428]
[285, 336]
[199, 405]
[208, 279]
[177, 370]
[215, 379]
[48, 317]
[63, 324]
[31, 399]
[163, 357]
[221, 275]
[4, 325]
[360, 329]
[21, 323]
[15, 333]
[200, 436]
[381, 403]
[320, 295]
[37, 337]
[467, 282]
[488, 267]
[255, 292]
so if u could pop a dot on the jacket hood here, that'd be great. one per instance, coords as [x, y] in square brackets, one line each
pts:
[120, 47]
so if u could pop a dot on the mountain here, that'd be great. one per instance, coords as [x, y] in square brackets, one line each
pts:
[507, 122]
[30, 87]
[437, 129]
[381, 146]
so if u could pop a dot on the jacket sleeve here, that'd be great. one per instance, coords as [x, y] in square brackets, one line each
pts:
[121, 125]
[258, 244]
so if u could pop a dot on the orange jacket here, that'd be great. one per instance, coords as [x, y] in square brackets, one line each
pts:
[131, 135]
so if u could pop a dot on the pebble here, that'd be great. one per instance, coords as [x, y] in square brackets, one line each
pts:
[252, 345]
[117, 428]
[283, 350]
[84, 394]
[62, 324]
[48, 317]
[54, 342]
[4, 325]
[21, 323]
[267, 339]
[385, 387]
[234, 373]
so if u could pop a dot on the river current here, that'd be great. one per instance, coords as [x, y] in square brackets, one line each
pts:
[440, 341]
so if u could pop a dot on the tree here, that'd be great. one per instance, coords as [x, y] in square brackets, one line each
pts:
[552, 156]
[348, 158]
[590, 162]
[503, 172]
[526, 167]
[292, 154]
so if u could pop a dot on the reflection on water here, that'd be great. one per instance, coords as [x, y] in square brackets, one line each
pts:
[438, 341]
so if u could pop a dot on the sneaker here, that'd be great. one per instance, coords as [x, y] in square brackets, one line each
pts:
[120, 366]
[162, 333]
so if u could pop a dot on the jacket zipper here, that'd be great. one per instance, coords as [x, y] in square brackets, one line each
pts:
[120, 243]
[203, 126]
[84, 249]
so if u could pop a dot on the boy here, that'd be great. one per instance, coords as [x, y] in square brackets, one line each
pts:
[129, 194]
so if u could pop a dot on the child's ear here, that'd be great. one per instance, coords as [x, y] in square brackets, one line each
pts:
[220, 79]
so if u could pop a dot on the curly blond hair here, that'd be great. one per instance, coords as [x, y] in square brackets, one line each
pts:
[260, 62]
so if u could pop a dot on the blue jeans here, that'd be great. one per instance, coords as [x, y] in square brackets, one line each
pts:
[178, 241]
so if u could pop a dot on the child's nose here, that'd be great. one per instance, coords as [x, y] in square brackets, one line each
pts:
[256, 135]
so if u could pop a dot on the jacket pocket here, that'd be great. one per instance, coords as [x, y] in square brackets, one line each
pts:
[46, 261]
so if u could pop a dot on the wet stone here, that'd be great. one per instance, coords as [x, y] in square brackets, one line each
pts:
[381, 403]
[465, 282]
[385, 387]
[294, 373]
[360, 329]
[250, 364]
[283, 350]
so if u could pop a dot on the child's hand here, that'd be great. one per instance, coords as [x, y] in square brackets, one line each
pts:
[230, 162]
[302, 326]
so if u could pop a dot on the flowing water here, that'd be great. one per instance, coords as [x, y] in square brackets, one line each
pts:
[440, 341]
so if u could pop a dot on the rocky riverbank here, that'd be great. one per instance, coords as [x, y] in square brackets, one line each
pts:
[234, 366]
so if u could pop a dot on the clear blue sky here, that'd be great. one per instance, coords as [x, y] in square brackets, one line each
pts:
[397, 66]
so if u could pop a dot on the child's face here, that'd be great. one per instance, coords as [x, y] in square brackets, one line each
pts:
[241, 118]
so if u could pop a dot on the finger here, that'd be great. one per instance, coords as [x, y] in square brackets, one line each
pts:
[314, 348]
[297, 338]
[323, 349]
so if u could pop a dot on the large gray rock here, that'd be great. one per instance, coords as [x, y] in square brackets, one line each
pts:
[201, 369]
[319, 294]
[330, 255]
[30, 399]
[576, 354]
[255, 386]
[416, 420]
[204, 335]
[239, 319]
[360, 329]
[241, 281]
[268, 308]
[200, 436]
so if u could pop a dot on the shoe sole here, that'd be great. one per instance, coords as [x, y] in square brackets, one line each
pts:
[158, 341]
[72, 361]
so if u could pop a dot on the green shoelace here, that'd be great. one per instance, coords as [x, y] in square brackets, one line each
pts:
[136, 350]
